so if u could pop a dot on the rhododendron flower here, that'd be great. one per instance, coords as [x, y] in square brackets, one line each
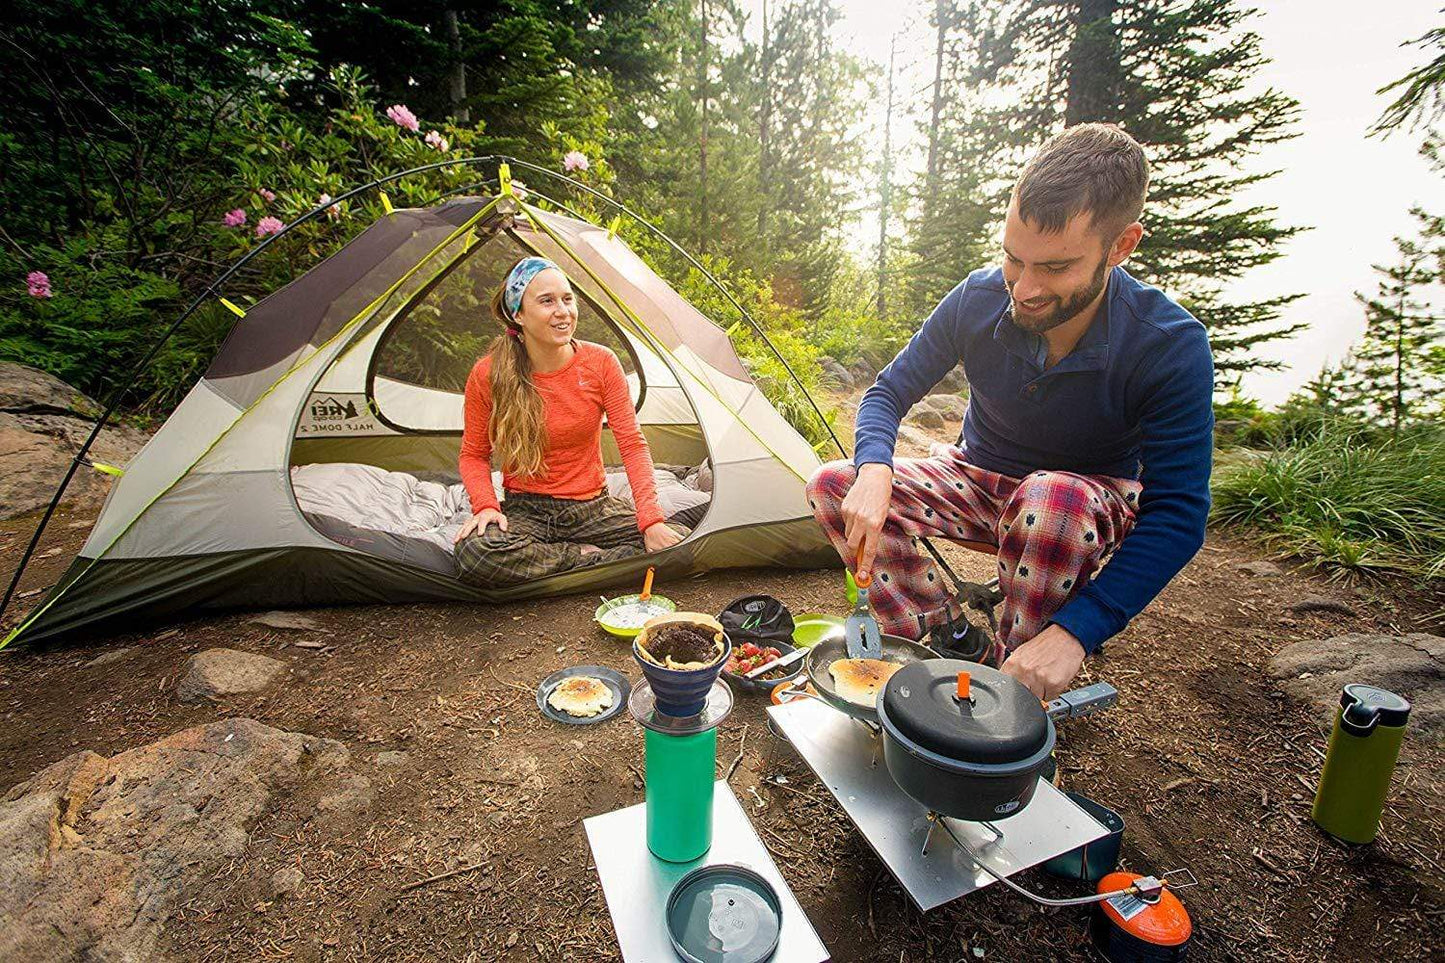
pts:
[268, 195]
[403, 117]
[334, 211]
[234, 218]
[575, 161]
[435, 139]
[39, 284]
[268, 225]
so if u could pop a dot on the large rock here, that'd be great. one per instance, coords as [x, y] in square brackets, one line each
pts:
[954, 382]
[835, 375]
[27, 390]
[951, 407]
[96, 854]
[1413, 665]
[43, 423]
[925, 417]
[215, 673]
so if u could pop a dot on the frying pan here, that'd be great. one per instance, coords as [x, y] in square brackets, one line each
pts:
[834, 647]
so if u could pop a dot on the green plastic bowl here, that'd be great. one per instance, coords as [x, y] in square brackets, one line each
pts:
[623, 631]
[810, 628]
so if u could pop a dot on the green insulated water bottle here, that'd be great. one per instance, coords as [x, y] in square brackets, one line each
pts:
[1363, 748]
[681, 768]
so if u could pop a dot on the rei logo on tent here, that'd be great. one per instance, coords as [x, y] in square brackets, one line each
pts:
[330, 409]
[338, 413]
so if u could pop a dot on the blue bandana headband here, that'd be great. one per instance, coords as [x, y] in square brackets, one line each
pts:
[517, 281]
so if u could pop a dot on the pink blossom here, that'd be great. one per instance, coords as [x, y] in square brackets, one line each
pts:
[333, 211]
[436, 140]
[575, 161]
[268, 225]
[403, 117]
[234, 218]
[39, 284]
[268, 195]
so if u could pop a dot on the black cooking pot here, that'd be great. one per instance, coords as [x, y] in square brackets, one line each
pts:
[976, 757]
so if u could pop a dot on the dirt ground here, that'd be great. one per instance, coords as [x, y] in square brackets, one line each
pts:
[1212, 768]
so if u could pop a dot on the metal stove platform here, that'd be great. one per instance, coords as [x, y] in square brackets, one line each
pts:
[847, 757]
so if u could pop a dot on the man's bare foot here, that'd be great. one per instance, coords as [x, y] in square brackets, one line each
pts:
[589, 549]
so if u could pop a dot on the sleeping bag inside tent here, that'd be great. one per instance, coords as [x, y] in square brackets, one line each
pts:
[315, 463]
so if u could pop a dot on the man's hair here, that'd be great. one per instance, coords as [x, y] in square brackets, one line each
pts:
[1092, 168]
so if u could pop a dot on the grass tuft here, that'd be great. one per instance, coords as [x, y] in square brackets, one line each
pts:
[1343, 500]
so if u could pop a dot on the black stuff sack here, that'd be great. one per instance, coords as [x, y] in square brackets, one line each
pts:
[757, 618]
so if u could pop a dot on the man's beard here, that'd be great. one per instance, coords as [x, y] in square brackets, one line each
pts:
[1068, 309]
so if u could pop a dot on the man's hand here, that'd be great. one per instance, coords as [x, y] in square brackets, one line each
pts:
[1047, 663]
[478, 523]
[659, 535]
[865, 508]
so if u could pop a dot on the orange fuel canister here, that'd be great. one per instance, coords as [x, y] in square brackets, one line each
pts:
[1137, 929]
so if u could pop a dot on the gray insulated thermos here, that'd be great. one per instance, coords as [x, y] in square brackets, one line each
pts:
[1369, 727]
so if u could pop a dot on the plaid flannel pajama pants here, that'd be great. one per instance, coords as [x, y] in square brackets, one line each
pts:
[1053, 530]
[545, 535]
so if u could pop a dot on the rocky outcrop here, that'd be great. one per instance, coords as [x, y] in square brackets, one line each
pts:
[1413, 666]
[96, 854]
[43, 423]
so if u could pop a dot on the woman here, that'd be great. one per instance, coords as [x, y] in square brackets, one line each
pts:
[537, 401]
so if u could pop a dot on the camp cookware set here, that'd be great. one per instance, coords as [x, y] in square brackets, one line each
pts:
[968, 741]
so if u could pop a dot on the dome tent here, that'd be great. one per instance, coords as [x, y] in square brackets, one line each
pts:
[322, 371]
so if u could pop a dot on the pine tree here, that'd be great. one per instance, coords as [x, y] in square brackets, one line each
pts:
[1394, 363]
[1177, 76]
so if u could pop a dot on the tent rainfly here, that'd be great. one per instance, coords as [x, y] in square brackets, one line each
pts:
[361, 361]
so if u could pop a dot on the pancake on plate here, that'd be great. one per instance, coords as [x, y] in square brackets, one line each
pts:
[860, 680]
[580, 695]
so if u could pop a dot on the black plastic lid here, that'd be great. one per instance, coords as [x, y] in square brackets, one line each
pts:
[1000, 722]
[1366, 706]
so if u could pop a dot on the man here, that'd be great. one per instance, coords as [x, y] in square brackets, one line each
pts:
[1088, 435]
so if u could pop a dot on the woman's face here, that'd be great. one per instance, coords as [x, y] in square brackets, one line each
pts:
[548, 313]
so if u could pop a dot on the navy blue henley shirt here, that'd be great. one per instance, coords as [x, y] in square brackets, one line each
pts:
[1134, 399]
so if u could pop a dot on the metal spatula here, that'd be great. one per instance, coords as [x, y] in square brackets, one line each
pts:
[860, 630]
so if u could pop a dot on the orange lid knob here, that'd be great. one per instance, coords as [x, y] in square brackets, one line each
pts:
[963, 685]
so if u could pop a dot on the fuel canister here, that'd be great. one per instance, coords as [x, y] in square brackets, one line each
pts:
[1364, 746]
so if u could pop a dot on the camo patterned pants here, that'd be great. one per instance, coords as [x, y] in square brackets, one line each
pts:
[545, 536]
[1052, 529]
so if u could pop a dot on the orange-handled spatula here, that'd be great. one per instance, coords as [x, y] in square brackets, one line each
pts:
[860, 630]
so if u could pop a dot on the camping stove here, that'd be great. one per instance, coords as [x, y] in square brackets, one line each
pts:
[843, 754]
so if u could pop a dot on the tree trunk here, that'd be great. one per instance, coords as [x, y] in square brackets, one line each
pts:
[457, 79]
[703, 225]
[764, 124]
[930, 181]
[1093, 64]
[885, 194]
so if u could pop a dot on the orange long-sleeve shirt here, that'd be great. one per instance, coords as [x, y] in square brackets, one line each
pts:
[574, 398]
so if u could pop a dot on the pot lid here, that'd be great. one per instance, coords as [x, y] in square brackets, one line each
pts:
[999, 720]
[724, 914]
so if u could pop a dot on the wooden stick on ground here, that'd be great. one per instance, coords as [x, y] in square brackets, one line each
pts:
[742, 744]
[440, 876]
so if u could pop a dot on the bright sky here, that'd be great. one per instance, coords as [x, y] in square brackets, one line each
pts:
[1353, 192]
